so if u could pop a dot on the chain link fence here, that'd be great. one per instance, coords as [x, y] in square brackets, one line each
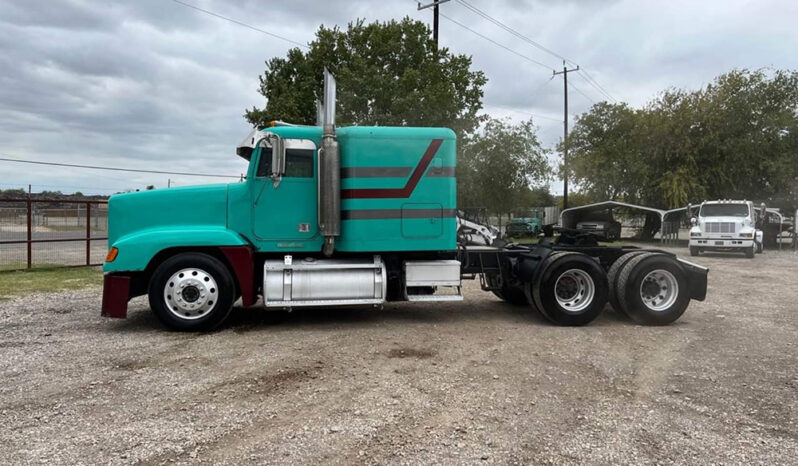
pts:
[52, 233]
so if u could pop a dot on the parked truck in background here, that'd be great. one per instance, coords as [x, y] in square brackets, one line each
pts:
[527, 224]
[357, 216]
[533, 222]
[726, 225]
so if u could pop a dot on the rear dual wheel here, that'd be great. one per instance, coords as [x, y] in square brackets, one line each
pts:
[512, 295]
[571, 289]
[652, 289]
[612, 278]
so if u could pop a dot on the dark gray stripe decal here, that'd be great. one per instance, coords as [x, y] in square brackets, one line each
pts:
[440, 172]
[381, 214]
[393, 172]
[376, 172]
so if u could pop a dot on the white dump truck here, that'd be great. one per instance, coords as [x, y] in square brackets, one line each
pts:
[726, 225]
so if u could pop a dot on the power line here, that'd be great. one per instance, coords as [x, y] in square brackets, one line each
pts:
[498, 44]
[583, 94]
[97, 167]
[512, 31]
[590, 80]
[240, 23]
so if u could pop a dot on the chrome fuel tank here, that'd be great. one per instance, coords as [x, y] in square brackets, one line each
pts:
[323, 282]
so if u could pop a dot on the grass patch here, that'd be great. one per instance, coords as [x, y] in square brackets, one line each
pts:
[48, 280]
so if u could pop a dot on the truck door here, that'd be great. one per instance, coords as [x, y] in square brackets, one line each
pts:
[286, 210]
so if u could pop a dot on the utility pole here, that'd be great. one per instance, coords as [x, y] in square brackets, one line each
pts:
[435, 14]
[564, 74]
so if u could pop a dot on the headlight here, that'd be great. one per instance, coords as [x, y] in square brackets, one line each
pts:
[746, 235]
[694, 234]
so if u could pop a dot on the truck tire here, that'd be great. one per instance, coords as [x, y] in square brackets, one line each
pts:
[571, 289]
[653, 289]
[508, 293]
[192, 292]
[612, 278]
[694, 251]
[749, 252]
[512, 295]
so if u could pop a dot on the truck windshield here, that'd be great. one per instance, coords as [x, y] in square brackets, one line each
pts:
[724, 210]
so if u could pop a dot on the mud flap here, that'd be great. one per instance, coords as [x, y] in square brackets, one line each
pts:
[116, 292]
[697, 277]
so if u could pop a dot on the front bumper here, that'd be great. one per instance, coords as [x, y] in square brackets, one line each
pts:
[721, 243]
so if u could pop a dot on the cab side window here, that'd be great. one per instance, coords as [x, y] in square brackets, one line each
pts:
[298, 163]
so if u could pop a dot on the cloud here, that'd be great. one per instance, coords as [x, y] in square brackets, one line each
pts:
[153, 84]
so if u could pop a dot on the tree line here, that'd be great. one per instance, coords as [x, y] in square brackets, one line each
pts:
[734, 138]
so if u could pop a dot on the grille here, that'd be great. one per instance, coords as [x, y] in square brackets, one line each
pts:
[720, 227]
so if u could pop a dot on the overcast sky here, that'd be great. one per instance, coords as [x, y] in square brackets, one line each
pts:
[153, 84]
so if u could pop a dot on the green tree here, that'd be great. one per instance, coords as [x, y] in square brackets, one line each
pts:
[387, 74]
[13, 192]
[498, 163]
[735, 138]
[604, 158]
[535, 196]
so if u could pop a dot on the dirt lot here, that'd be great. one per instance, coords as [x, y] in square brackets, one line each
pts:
[477, 382]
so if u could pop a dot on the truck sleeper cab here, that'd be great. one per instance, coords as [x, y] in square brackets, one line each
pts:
[727, 226]
[196, 250]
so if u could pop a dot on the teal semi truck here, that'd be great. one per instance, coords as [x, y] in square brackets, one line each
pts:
[358, 216]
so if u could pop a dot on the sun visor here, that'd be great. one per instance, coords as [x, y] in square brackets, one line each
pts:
[245, 147]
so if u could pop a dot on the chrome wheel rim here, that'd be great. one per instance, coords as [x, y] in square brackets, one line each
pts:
[190, 293]
[574, 290]
[659, 290]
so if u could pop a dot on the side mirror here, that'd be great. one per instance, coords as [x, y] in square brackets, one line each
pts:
[693, 221]
[762, 210]
[278, 158]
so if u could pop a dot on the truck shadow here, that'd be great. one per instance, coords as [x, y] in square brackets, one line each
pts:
[244, 320]
[141, 319]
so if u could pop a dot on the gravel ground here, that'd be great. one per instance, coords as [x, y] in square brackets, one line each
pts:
[474, 382]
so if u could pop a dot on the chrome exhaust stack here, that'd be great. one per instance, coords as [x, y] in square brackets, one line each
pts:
[329, 169]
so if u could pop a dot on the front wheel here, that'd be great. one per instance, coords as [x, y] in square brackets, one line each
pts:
[192, 292]
[694, 251]
[749, 252]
